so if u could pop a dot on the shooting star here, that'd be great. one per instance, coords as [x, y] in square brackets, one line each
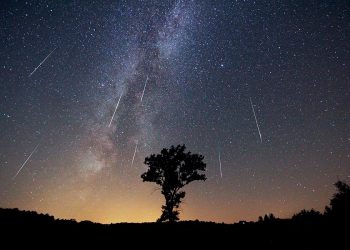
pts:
[133, 157]
[24, 163]
[256, 120]
[116, 107]
[42, 62]
[220, 165]
[144, 87]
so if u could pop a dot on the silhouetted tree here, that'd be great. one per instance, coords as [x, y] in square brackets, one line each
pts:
[267, 218]
[340, 203]
[307, 216]
[172, 169]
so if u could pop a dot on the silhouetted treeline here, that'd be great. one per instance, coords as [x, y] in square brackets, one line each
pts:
[308, 229]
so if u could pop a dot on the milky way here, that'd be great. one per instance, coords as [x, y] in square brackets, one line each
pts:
[101, 86]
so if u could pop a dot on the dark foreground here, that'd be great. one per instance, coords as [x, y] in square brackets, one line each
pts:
[32, 229]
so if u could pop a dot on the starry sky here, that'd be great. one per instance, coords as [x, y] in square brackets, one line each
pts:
[90, 88]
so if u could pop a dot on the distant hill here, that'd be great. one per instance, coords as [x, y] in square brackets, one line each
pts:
[304, 231]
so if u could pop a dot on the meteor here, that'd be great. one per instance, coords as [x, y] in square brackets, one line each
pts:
[144, 87]
[24, 163]
[41, 62]
[256, 120]
[220, 165]
[116, 107]
[133, 158]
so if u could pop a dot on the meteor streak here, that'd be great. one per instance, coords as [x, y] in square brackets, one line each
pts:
[133, 157]
[41, 62]
[256, 120]
[144, 87]
[24, 163]
[116, 107]
[220, 165]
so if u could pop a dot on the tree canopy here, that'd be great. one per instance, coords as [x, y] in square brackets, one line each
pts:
[172, 169]
[340, 202]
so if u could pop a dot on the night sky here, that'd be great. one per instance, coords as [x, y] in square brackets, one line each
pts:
[90, 88]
